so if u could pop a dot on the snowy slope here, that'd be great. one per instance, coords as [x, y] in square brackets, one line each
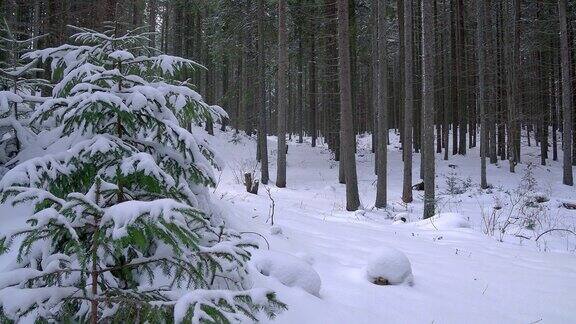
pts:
[460, 274]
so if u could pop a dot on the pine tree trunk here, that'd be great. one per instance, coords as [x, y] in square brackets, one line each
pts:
[300, 89]
[408, 103]
[447, 71]
[454, 77]
[375, 81]
[554, 112]
[312, 89]
[282, 70]
[567, 96]
[401, 59]
[491, 41]
[383, 104]
[261, 97]
[245, 94]
[428, 107]
[346, 127]
[460, 77]
[481, 44]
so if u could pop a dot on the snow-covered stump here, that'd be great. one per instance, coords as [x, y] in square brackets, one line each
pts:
[288, 270]
[389, 266]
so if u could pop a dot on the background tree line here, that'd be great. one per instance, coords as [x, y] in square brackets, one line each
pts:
[447, 75]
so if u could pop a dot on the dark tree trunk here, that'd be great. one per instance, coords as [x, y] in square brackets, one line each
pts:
[346, 128]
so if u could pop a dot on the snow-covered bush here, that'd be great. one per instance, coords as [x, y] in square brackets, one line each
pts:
[289, 270]
[122, 229]
[389, 266]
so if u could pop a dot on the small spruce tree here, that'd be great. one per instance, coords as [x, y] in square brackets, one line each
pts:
[122, 229]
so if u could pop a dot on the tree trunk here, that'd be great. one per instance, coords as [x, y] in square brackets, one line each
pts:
[447, 71]
[481, 50]
[245, 101]
[262, 129]
[428, 107]
[408, 103]
[300, 89]
[375, 81]
[383, 103]
[346, 128]
[312, 85]
[282, 69]
[460, 77]
[401, 59]
[567, 95]
[554, 107]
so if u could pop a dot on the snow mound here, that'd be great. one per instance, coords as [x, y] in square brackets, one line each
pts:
[389, 266]
[443, 221]
[289, 270]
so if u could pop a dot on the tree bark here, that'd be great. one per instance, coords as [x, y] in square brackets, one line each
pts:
[428, 108]
[383, 103]
[312, 88]
[375, 81]
[262, 129]
[408, 103]
[567, 95]
[152, 15]
[300, 88]
[346, 128]
[282, 70]
[481, 50]
[460, 77]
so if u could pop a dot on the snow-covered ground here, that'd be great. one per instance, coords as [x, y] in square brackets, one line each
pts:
[460, 274]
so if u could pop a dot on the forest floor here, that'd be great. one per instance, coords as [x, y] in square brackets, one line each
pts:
[460, 274]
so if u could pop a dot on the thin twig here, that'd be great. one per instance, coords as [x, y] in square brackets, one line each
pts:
[262, 236]
[555, 229]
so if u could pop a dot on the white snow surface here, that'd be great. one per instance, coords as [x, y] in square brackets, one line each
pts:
[444, 221]
[390, 264]
[461, 275]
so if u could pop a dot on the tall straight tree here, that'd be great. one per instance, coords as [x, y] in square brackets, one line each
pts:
[374, 61]
[282, 69]
[460, 47]
[262, 129]
[347, 139]
[152, 16]
[246, 93]
[382, 111]
[512, 93]
[481, 52]
[567, 95]
[401, 33]
[428, 107]
[408, 102]
[300, 84]
[312, 82]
